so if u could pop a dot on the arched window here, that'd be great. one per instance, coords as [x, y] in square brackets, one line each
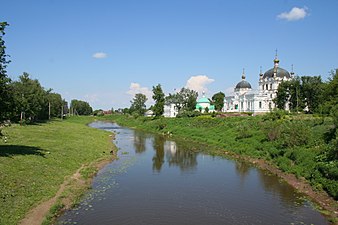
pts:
[260, 105]
[270, 86]
[267, 87]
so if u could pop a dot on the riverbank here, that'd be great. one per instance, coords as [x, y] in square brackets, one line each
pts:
[49, 165]
[293, 147]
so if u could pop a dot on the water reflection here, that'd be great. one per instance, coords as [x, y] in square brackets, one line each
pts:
[242, 169]
[275, 185]
[158, 159]
[139, 141]
[179, 155]
[173, 153]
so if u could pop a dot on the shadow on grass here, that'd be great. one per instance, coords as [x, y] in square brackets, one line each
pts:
[12, 150]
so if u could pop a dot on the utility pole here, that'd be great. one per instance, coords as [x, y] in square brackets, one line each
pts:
[297, 98]
[49, 110]
[61, 112]
[21, 114]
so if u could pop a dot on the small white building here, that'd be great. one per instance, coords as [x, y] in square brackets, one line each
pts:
[244, 99]
[149, 113]
[170, 110]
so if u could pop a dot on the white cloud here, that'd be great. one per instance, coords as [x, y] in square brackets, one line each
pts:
[135, 88]
[100, 55]
[295, 14]
[198, 83]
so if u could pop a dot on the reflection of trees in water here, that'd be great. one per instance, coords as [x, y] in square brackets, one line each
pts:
[270, 183]
[175, 154]
[273, 184]
[158, 159]
[139, 141]
[242, 169]
[184, 158]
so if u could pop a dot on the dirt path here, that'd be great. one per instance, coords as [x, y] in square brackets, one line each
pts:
[37, 214]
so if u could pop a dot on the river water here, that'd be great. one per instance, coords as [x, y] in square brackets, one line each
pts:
[161, 181]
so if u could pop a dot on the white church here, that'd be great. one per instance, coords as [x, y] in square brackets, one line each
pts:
[244, 99]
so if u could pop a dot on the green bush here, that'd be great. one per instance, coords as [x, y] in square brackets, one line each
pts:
[283, 163]
[186, 114]
[274, 115]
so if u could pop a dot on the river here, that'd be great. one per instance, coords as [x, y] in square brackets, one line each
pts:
[157, 180]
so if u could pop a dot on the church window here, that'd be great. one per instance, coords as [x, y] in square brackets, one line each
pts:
[236, 106]
[270, 86]
[263, 87]
[267, 87]
[260, 105]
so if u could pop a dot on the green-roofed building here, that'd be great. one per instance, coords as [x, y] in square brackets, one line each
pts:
[203, 105]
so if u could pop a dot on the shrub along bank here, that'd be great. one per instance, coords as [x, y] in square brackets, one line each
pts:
[37, 158]
[304, 145]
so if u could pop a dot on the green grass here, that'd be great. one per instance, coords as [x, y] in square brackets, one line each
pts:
[36, 159]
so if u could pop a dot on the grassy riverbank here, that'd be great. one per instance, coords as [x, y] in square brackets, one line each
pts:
[295, 144]
[38, 158]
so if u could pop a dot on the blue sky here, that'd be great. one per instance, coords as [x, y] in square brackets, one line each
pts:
[104, 52]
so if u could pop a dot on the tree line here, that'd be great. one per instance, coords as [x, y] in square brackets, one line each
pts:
[26, 99]
[309, 94]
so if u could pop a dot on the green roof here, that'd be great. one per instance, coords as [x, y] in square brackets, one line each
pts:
[203, 100]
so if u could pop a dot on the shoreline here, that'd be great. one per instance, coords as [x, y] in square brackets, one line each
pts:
[69, 192]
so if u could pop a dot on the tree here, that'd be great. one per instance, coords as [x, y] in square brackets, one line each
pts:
[304, 93]
[79, 107]
[189, 98]
[218, 100]
[138, 104]
[312, 91]
[5, 92]
[185, 99]
[158, 96]
[30, 99]
[330, 94]
[56, 104]
[175, 99]
[282, 95]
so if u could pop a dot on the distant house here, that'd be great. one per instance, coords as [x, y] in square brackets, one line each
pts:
[170, 110]
[149, 113]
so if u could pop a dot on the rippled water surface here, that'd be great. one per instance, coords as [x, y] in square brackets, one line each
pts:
[162, 181]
